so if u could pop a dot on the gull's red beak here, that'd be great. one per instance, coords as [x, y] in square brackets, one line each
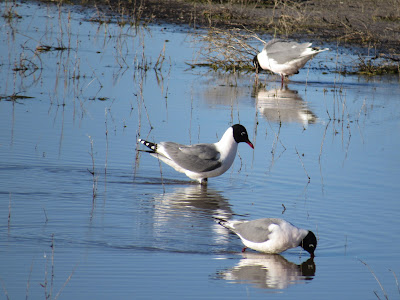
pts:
[250, 144]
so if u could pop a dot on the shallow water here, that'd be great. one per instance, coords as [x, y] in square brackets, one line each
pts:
[325, 158]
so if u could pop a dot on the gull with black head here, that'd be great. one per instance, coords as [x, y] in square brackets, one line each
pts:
[271, 235]
[201, 161]
[284, 57]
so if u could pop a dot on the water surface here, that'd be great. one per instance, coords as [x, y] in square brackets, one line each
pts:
[325, 158]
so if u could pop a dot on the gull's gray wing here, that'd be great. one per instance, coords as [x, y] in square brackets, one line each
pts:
[283, 51]
[196, 158]
[257, 230]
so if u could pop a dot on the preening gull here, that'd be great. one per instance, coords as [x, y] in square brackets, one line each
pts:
[285, 57]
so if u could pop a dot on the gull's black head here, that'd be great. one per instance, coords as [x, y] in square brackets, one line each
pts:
[309, 243]
[256, 64]
[240, 134]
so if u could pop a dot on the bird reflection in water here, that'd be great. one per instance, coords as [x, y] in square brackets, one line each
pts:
[185, 210]
[268, 271]
[284, 106]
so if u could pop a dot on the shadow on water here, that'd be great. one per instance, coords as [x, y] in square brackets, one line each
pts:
[268, 271]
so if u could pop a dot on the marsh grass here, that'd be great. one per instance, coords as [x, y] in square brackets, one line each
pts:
[29, 59]
[49, 277]
[4, 289]
[93, 170]
[379, 282]
[9, 212]
[301, 161]
[289, 16]
[10, 14]
[122, 13]
[230, 50]
[49, 287]
[282, 17]
[372, 66]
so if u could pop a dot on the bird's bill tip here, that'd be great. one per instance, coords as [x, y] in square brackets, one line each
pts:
[250, 144]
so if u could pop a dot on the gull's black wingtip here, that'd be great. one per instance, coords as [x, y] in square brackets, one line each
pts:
[150, 145]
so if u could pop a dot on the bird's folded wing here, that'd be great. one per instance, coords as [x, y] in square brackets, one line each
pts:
[285, 51]
[256, 231]
[196, 158]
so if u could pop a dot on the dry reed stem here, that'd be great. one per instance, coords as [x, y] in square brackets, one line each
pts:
[292, 16]
[4, 289]
[29, 281]
[106, 158]
[91, 153]
[377, 280]
[9, 212]
[395, 277]
[309, 179]
[228, 49]
[65, 283]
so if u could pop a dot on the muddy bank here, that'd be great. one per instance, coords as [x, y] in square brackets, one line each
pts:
[372, 24]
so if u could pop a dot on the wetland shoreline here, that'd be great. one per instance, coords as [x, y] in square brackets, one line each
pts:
[372, 25]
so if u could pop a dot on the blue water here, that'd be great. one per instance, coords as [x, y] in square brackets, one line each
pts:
[326, 158]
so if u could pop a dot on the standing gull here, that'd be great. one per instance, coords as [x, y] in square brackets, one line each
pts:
[284, 57]
[271, 235]
[201, 161]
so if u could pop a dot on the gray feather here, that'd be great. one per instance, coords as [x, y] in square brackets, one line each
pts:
[284, 51]
[257, 230]
[196, 158]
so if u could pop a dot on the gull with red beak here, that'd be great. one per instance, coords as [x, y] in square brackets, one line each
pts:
[271, 235]
[201, 161]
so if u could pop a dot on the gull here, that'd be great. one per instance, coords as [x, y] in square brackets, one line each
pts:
[271, 235]
[285, 57]
[201, 161]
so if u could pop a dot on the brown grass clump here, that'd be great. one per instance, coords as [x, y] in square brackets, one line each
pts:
[229, 50]
[376, 65]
